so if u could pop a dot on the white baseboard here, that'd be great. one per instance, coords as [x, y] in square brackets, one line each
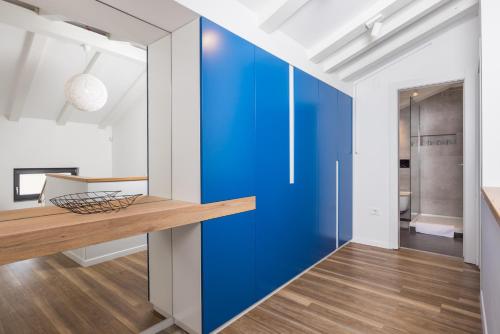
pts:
[185, 327]
[164, 324]
[179, 323]
[229, 322]
[106, 257]
[483, 315]
[370, 242]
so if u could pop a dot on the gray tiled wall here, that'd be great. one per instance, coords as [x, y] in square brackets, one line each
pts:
[441, 153]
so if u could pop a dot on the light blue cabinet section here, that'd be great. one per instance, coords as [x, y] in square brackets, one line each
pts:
[227, 115]
[227, 172]
[245, 151]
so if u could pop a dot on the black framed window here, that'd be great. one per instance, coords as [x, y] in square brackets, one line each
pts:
[29, 182]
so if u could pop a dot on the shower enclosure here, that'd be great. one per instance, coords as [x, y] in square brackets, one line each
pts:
[431, 161]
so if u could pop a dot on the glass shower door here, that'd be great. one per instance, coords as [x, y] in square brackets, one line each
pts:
[415, 142]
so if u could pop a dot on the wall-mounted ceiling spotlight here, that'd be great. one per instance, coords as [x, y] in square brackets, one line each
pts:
[377, 26]
[374, 25]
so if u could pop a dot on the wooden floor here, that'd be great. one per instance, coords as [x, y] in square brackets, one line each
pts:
[362, 289]
[54, 295]
[359, 289]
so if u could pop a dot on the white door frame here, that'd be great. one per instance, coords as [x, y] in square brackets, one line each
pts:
[471, 160]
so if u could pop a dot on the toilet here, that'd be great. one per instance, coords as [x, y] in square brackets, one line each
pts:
[404, 201]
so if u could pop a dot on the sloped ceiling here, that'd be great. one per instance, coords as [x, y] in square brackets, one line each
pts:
[315, 21]
[35, 65]
[350, 39]
[337, 41]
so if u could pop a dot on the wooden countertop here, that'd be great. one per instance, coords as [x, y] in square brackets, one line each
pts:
[97, 179]
[492, 196]
[29, 233]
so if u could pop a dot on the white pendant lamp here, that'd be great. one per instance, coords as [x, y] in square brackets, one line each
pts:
[86, 92]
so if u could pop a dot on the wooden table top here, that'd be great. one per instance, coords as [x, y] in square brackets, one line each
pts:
[85, 179]
[492, 196]
[34, 232]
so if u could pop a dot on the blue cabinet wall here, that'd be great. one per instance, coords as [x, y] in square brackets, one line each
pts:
[245, 151]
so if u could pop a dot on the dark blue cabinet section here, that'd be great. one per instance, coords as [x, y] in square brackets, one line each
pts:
[275, 263]
[304, 194]
[345, 169]
[329, 140]
[245, 150]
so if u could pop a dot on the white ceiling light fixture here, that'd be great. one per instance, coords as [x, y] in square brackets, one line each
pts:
[85, 91]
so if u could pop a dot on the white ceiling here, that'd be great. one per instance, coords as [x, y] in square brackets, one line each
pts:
[40, 94]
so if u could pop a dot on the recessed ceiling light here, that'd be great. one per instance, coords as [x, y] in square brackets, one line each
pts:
[415, 94]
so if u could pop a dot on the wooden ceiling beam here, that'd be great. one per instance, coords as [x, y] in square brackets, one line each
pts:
[391, 27]
[355, 28]
[422, 30]
[28, 20]
[27, 66]
[275, 19]
[134, 91]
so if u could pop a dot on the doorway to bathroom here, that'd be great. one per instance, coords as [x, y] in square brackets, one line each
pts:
[431, 168]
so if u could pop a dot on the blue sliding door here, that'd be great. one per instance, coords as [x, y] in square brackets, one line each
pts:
[275, 261]
[228, 172]
[303, 201]
[329, 140]
[345, 169]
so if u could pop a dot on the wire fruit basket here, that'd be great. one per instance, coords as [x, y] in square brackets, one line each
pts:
[94, 202]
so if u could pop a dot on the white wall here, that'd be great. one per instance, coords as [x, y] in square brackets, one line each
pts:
[490, 116]
[186, 174]
[32, 143]
[453, 55]
[490, 75]
[160, 169]
[130, 140]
